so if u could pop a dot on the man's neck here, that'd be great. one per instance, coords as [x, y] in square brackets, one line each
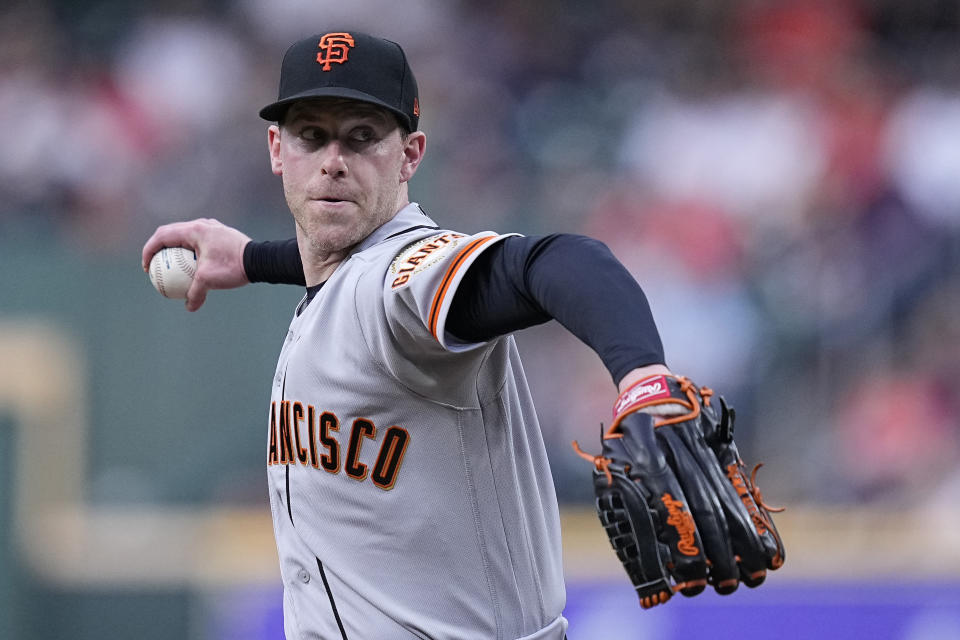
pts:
[317, 270]
[318, 266]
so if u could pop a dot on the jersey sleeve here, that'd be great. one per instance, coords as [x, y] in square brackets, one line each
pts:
[424, 278]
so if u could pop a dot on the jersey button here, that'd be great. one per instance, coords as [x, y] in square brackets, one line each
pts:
[304, 576]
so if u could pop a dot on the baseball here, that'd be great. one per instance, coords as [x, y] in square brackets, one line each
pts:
[172, 271]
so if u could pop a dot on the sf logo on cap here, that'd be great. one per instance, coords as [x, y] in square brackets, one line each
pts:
[335, 47]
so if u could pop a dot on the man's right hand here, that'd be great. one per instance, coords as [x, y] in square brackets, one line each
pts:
[219, 250]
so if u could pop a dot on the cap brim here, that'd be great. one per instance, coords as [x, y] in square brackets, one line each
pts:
[275, 111]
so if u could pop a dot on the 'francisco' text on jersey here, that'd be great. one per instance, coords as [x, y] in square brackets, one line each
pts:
[299, 435]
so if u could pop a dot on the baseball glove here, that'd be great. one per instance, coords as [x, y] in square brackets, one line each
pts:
[674, 496]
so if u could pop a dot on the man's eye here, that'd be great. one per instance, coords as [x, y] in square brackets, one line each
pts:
[313, 134]
[362, 135]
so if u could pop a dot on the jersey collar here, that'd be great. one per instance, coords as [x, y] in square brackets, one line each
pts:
[410, 217]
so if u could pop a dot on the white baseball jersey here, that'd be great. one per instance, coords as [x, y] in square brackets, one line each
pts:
[409, 484]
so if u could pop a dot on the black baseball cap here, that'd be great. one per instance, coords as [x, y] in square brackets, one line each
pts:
[350, 65]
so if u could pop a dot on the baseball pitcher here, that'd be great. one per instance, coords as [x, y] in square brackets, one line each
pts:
[409, 485]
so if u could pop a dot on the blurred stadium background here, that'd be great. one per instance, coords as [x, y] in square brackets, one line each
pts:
[783, 177]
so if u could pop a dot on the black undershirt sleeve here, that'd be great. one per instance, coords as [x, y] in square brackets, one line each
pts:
[274, 262]
[523, 281]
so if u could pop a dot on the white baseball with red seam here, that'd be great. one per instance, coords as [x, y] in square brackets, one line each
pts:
[172, 270]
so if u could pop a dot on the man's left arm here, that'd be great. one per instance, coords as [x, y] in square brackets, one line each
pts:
[673, 495]
[576, 280]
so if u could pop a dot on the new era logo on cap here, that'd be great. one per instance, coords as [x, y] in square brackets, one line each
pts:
[351, 65]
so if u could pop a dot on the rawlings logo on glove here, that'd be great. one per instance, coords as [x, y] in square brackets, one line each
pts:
[641, 394]
[682, 521]
[674, 497]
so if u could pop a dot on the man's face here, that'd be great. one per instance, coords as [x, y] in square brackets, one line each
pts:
[344, 165]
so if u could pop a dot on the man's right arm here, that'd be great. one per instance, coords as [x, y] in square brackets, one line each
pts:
[223, 254]
[518, 283]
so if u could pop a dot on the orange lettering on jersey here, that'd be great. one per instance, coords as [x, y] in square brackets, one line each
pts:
[387, 467]
[272, 452]
[312, 435]
[682, 521]
[411, 258]
[330, 461]
[286, 438]
[336, 47]
[322, 448]
[297, 419]
[361, 429]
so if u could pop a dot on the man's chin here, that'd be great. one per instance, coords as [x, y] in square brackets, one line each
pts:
[332, 240]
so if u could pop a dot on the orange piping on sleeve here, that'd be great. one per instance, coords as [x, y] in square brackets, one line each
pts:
[448, 278]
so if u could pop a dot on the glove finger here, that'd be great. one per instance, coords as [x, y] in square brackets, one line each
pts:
[752, 578]
[758, 543]
[665, 499]
[676, 523]
[706, 509]
[630, 527]
[746, 542]
[756, 539]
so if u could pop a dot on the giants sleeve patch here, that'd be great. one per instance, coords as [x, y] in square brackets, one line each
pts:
[422, 255]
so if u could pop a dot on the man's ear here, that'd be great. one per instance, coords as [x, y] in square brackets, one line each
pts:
[273, 145]
[414, 147]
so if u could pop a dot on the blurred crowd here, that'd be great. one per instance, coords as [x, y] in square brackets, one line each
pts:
[783, 178]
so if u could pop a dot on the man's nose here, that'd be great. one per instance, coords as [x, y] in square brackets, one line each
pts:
[333, 163]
